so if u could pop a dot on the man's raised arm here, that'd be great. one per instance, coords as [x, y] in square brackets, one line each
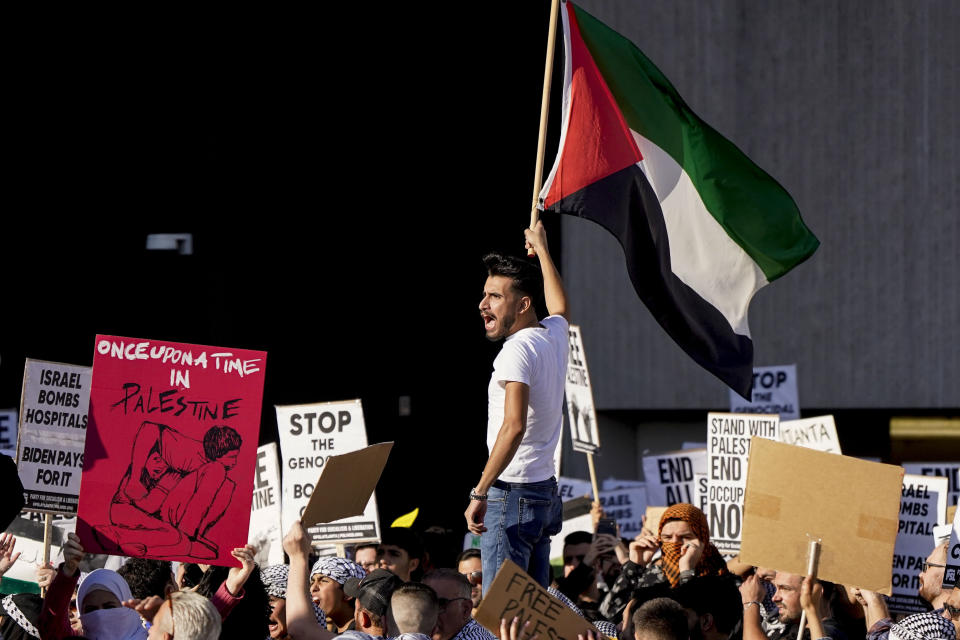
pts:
[553, 293]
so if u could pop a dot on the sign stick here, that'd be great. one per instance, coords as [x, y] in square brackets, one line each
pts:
[544, 112]
[341, 550]
[47, 531]
[593, 478]
[813, 560]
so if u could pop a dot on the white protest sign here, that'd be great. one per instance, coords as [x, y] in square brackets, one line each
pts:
[570, 488]
[774, 390]
[728, 448]
[265, 533]
[612, 483]
[309, 435]
[923, 504]
[580, 410]
[951, 575]
[8, 432]
[950, 470]
[28, 529]
[818, 433]
[700, 491]
[670, 476]
[579, 523]
[627, 506]
[53, 430]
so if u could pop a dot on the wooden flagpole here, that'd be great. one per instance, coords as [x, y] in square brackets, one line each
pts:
[544, 113]
[813, 562]
[593, 478]
[47, 532]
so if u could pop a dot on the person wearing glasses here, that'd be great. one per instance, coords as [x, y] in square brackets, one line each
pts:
[931, 577]
[455, 620]
[470, 565]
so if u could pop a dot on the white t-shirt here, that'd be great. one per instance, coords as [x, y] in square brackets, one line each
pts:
[537, 357]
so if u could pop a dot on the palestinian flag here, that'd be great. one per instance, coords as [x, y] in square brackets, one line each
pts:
[703, 228]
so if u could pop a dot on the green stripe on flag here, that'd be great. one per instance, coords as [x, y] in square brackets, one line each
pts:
[757, 213]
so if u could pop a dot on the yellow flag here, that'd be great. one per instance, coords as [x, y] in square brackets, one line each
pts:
[406, 520]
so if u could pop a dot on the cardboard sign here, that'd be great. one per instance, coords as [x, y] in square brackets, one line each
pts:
[515, 594]
[951, 512]
[170, 451]
[53, 428]
[950, 470]
[570, 488]
[818, 433]
[582, 417]
[344, 488]
[795, 495]
[774, 390]
[626, 506]
[265, 533]
[654, 515]
[671, 476]
[8, 432]
[728, 447]
[309, 435]
[951, 575]
[923, 504]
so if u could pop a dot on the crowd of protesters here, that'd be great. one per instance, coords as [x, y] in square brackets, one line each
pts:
[669, 583]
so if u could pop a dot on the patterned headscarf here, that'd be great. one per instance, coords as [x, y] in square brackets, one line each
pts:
[19, 612]
[711, 563]
[339, 569]
[275, 580]
[923, 626]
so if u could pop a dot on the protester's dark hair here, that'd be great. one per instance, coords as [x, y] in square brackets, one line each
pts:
[716, 595]
[661, 618]
[578, 537]
[453, 576]
[526, 276]
[147, 577]
[192, 575]
[249, 618]
[219, 441]
[369, 545]
[406, 539]
[467, 554]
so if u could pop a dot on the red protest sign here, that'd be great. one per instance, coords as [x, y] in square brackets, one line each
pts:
[170, 452]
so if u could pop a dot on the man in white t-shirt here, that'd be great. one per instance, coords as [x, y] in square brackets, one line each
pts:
[515, 505]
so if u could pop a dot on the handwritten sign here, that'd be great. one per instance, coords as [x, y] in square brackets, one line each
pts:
[818, 433]
[923, 505]
[309, 435]
[581, 414]
[172, 436]
[774, 390]
[795, 494]
[671, 476]
[728, 448]
[265, 533]
[949, 470]
[514, 594]
[53, 428]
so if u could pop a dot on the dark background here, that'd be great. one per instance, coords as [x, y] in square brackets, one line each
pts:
[341, 173]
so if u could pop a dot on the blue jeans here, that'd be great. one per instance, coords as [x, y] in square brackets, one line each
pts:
[520, 519]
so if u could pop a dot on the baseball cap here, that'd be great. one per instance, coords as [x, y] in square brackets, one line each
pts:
[374, 590]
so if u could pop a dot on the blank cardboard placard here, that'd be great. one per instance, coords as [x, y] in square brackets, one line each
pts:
[346, 484]
[951, 513]
[796, 494]
[515, 594]
[653, 518]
